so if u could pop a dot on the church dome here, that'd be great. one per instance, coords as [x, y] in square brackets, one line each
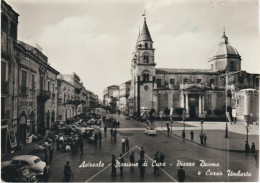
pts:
[224, 50]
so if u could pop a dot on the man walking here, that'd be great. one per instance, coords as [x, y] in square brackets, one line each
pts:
[115, 133]
[121, 161]
[46, 173]
[191, 134]
[181, 174]
[205, 138]
[155, 166]
[162, 158]
[111, 132]
[99, 137]
[142, 152]
[67, 172]
[127, 144]
[123, 144]
[113, 165]
[141, 167]
[201, 138]
[183, 134]
[105, 130]
[132, 160]
[51, 153]
[81, 147]
[168, 128]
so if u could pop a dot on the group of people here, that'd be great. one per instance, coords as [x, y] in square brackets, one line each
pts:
[113, 133]
[158, 159]
[248, 149]
[125, 145]
[203, 138]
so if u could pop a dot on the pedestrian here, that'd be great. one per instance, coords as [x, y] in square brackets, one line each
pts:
[118, 124]
[99, 137]
[123, 144]
[111, 132]
[81, 147]
[57, 144]
[191, 134]
[127, 144]
[247, 148]
[253, 148]
[155, 167]
[121, 161]
[51, 153]
[132, 160]
[113, 165]
[67, 172]
[46, 173]
[205, 138]
[162, 157]
[142, 152]
[115, 133]
[46, 158]
[96, 138]
[105, 130]
[181, 174]
[157, 155]
[141, 167]
[168, 128]
[73, 147]
[183, 134]
[201, 138]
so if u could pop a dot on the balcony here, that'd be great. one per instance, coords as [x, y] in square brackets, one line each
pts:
[5, 87]
[44, 95]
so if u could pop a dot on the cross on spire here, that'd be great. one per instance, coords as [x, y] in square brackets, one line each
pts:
[144, 15]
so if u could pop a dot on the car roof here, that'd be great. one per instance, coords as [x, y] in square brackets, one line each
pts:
[25, 157]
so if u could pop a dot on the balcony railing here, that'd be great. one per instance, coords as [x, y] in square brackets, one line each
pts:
[44, 94]
[5, 87]
[188, 85]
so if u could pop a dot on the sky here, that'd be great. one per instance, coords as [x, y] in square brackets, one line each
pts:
[96, 38]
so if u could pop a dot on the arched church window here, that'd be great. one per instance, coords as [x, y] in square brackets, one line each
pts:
[145, 76]
[146, 59]
[146, 45]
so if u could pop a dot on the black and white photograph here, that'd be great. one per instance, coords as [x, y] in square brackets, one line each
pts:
[130, 90]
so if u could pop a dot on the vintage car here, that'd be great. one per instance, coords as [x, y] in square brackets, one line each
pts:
[18, 173]
[34, 163]
[150, 130]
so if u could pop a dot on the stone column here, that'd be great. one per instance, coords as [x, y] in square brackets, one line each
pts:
[187, 104]
[182, 101]
[203, 103]
[199, 104]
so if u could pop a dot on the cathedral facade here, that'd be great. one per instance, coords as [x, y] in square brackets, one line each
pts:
[193, 93]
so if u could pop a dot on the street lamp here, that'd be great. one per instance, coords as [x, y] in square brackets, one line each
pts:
[201, 123]
[171, 123]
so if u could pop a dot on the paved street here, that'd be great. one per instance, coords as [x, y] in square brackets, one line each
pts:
[174, 149]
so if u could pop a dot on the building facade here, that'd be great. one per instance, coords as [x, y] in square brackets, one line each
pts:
[124, 92]
[108, 94]
[9, 67]
[37, 84]
[198, 93]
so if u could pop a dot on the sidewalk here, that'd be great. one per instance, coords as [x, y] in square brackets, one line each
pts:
[215, 132]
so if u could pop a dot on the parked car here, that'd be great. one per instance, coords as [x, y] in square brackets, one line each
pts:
[18, 173]
[77, 128]
[150, 130]
[34, 163]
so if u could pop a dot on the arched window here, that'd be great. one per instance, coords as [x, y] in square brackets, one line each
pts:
[146, 59]
[145, 75]
[146, 45]
[4, 24]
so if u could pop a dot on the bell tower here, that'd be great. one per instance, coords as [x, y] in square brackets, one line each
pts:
[143, 72]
